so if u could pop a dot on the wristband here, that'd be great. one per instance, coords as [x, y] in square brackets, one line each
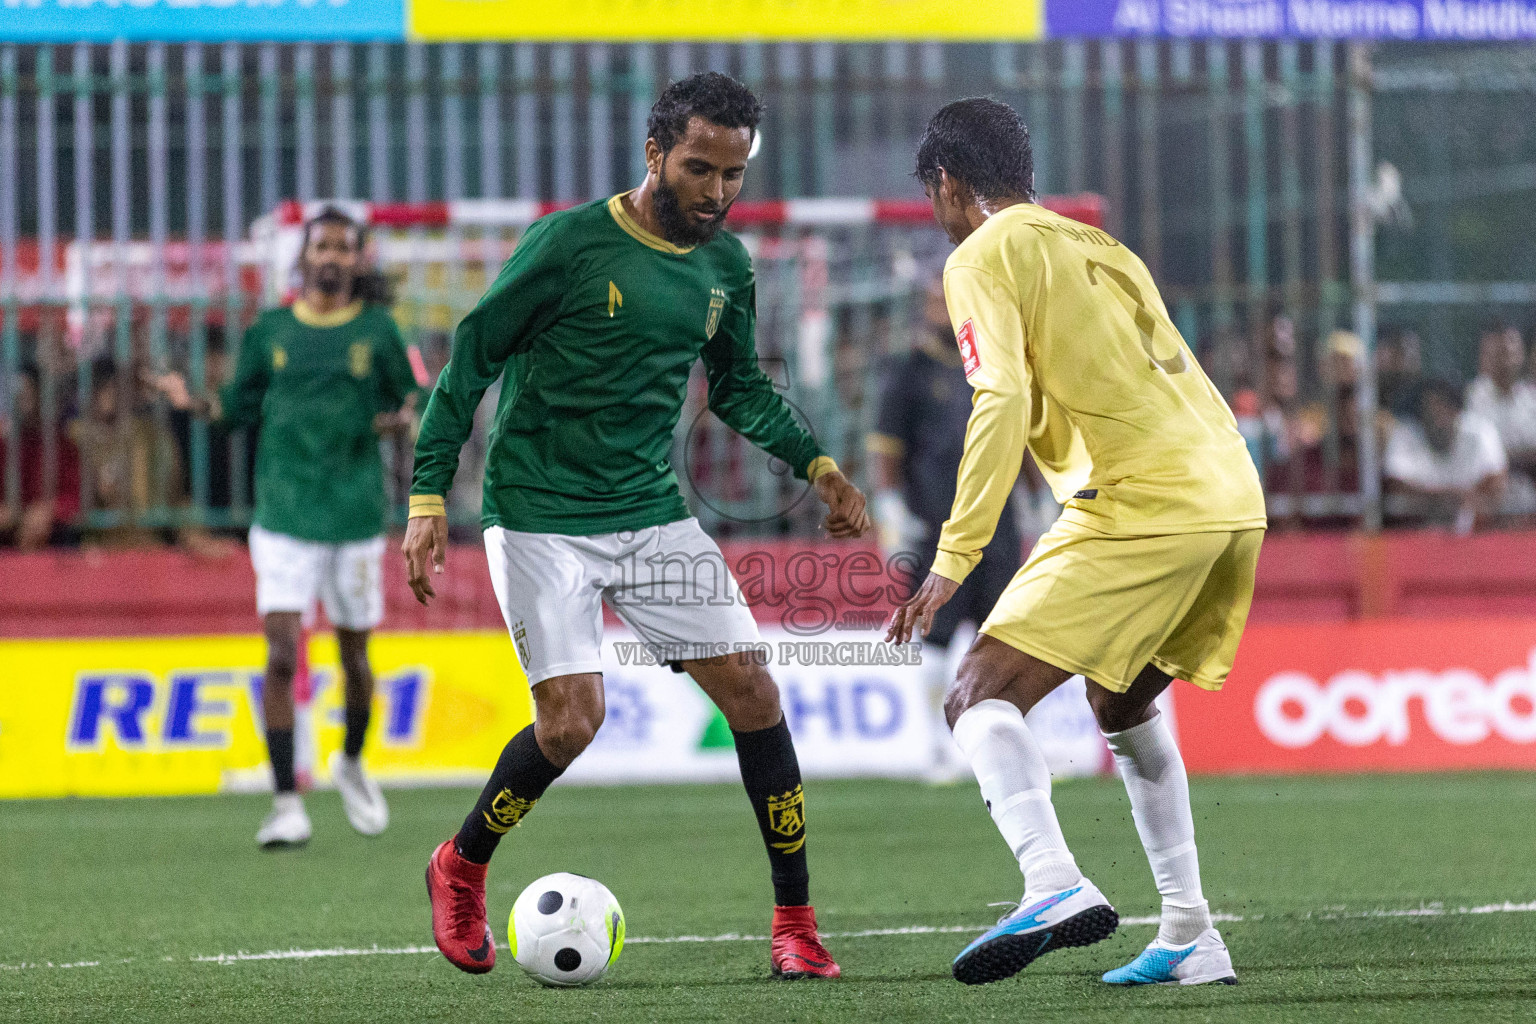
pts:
[819, 467]
[427, 505]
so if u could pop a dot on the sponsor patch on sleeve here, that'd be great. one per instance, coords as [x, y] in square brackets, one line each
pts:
[970, 356]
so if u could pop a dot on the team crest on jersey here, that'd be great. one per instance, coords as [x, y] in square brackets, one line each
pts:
[361, 357]
[716, 307]
[279, 357]
[970, 355]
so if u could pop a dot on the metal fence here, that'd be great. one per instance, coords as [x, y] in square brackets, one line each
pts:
[1242, 172]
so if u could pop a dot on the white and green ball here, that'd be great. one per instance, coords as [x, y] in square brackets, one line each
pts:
[566, 930]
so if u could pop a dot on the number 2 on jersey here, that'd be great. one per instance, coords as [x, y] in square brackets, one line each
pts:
[1146, 323]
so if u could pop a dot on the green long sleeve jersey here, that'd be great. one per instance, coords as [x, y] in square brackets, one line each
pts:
[314, 382]
[595, 324]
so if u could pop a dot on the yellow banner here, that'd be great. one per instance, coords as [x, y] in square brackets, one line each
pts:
[181, 715]
[722, 20]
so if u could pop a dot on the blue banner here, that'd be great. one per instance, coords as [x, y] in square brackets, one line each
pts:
[1434, 20]
[69, 21]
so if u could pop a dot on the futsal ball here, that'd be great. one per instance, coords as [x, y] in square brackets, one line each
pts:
[566, 930]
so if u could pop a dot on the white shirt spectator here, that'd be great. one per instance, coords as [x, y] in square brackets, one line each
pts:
[1475, 455]
[1512, 415]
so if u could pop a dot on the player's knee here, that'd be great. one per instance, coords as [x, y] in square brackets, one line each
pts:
[563, 737]
[1115, 712]
[282, 663]
[971, 686]
[753, 703]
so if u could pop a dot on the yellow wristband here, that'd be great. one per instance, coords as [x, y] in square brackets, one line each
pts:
[427, 505]
[820, 466]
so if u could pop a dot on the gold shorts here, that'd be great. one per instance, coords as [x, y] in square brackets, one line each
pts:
[1106, 606]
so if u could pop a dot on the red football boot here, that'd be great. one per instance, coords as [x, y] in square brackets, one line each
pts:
[457, 890]
[797, 951]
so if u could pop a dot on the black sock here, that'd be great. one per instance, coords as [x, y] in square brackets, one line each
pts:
[357, 729]
[280, 750]
[520, 777]
[771, 773]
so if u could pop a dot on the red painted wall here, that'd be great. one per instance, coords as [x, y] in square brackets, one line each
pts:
[1302, 578]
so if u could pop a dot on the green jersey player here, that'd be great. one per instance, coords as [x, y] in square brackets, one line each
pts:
[593, 327]
[322, 378]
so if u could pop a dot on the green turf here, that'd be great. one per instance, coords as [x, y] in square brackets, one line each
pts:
[156, 882]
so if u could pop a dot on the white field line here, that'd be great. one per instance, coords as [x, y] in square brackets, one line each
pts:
[1330, 914]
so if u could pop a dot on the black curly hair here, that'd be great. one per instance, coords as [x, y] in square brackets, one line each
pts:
[369, 285]
[718, 99]
[982, 143]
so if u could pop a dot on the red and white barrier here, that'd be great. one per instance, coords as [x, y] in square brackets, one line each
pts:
[837, 211]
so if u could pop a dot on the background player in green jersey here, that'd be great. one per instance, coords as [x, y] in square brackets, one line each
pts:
[323, 378]
[594, 325]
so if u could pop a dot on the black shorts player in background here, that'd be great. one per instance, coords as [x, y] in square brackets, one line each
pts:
[323, 378]
[594, 325]
[919, 436]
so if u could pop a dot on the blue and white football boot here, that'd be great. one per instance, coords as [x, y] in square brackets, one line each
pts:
[1079, 916]
[1204, 960]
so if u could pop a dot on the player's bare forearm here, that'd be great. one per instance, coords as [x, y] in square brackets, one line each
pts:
[426, 544]
[917, 614]
[846, 514]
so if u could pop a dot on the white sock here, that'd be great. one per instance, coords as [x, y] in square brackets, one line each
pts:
[287, 802]
[1016, 785]
[936, 678]
[1155, 780]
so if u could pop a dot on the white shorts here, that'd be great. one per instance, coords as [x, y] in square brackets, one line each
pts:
[348, 578]
[669, 584]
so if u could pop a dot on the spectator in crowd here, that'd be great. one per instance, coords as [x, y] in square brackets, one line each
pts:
[223, 471]
[1446, 468]
[130, 461]
[1341, 367]
[1399, 372]
[1262, 428]
[48, 464]
[1503, 398]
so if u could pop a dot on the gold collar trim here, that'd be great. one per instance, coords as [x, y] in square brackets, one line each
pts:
[634, 230]
[309, 318]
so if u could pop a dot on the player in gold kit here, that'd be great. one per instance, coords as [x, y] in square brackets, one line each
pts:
[1148, 575]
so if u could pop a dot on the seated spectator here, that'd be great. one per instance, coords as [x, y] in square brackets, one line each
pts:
[49, 488]
[1263, 430]
[1327, 457]
[1446, 468]
[1399, 372]
[1501, 397]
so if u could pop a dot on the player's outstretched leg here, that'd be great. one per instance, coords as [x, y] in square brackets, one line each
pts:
[770, 771]
[1188, 949]
[1060, 907]
[361, 797]
[568, 710]
[287, 825]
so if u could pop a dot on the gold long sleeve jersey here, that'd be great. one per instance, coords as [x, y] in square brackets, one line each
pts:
[1071, 354]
